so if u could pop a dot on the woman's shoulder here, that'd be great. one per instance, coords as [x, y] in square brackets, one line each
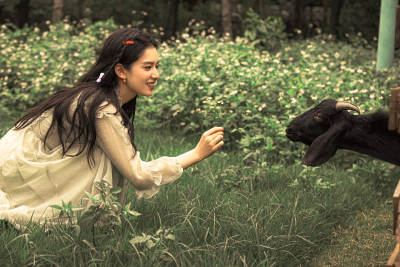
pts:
[108, 107]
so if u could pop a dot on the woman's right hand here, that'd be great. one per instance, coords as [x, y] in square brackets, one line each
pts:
[209, 143]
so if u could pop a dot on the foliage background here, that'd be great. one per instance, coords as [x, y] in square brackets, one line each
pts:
[206, 80]
[253, 91]
[356, 16]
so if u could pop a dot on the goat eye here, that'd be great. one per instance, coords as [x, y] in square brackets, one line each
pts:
[318, 117]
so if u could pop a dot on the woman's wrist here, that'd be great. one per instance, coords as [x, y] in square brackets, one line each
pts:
[188, 159]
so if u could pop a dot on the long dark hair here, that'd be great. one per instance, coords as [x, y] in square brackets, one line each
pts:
[112, 53]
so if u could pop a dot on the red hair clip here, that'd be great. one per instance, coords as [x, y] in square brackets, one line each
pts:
[128, 42]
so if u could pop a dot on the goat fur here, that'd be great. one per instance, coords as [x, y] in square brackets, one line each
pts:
[366, 134]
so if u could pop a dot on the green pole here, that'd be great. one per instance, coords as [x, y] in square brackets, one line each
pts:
[387, 25]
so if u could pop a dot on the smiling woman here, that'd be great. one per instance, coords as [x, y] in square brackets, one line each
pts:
[89, 120]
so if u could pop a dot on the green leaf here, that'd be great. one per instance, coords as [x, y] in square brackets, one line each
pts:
[70, 205]
[270, 142]
[134, 213]
[77, 207]
[61, 214]
[170, 236]
[150, 244]
[353, 83]
[176, 107]
[115, 190]
[88, 194]
[262, 28]
[127, 206]
[248, 155]
[245, 142]
[139, 239]
[70, 213]
[64, 205]
[56, 207]
[89, 244]
[77, 229]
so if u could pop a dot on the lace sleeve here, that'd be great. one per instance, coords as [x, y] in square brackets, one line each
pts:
[146, 177]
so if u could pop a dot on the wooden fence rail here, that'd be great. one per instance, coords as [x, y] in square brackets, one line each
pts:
[394, 122]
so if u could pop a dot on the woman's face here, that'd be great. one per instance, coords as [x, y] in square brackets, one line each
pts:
[142, 72]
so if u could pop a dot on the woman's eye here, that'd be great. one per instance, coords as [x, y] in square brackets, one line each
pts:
[149, 67]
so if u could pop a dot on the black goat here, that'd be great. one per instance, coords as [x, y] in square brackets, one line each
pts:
[329, 126]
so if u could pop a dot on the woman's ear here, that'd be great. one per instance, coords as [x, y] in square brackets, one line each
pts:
[120, 71]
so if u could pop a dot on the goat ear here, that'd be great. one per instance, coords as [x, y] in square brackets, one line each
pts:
[324, 146]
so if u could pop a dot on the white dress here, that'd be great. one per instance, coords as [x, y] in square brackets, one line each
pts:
[33, 176]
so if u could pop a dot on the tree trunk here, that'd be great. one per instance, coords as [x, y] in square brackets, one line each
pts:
[335, 13]
[325, 14]
[261, 9]
[21, 13]
[226, 12]
[298, 15]
[171, 24]
[58, 13]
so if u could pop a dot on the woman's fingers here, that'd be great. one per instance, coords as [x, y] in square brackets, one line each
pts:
[216, 138]
[214, 130]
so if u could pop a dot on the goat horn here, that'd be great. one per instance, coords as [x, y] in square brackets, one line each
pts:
[344, 105]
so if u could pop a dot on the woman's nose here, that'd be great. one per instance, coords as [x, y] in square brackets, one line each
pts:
[155, 75]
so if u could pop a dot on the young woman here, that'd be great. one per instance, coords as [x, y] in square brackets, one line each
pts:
[89, 120]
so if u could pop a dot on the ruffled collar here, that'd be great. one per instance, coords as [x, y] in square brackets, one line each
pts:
[118, 95]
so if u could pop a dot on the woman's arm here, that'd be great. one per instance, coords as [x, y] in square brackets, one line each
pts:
[188, 159]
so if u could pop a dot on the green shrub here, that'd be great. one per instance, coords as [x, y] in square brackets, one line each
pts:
[270, 32]
[206, 81]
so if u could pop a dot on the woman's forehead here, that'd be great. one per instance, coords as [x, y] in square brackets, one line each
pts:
[149, 55]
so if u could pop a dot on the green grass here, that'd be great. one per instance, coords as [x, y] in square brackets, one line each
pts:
[248, 220]
[251, 203]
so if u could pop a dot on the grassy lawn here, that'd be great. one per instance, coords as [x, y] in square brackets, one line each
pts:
[249, 204]
[249, 217]
[365, 241]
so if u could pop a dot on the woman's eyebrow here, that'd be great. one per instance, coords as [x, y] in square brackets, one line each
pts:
[150, 62]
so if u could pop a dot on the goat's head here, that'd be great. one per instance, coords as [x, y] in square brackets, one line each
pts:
[321, 128]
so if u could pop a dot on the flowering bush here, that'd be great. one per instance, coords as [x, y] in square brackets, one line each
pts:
[205, 80]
